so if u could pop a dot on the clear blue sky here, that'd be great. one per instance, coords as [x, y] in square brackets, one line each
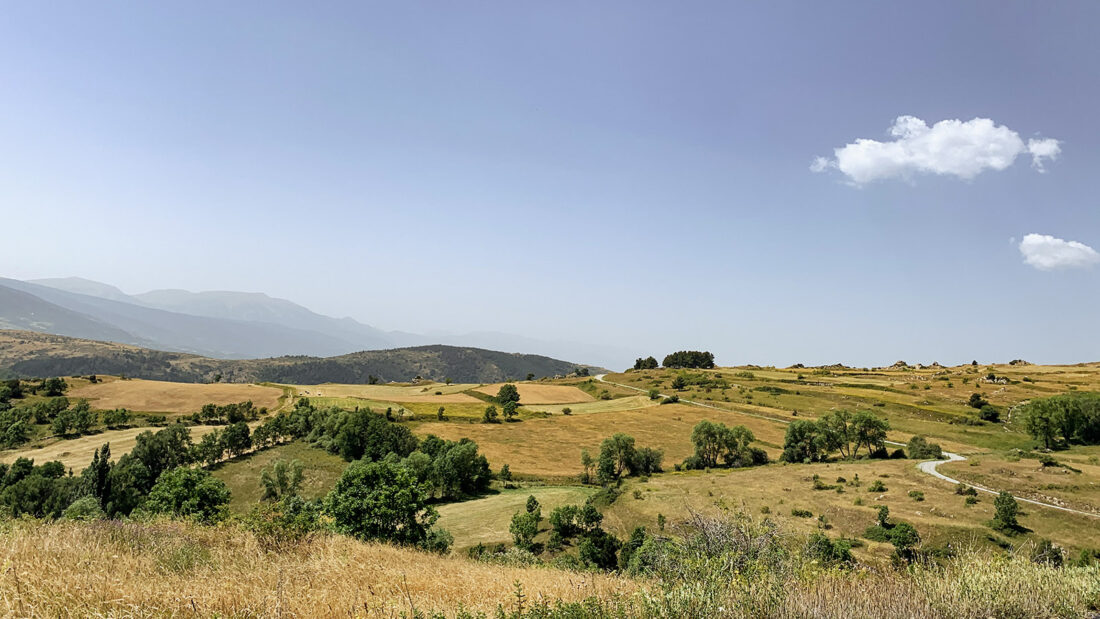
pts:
[635, 174]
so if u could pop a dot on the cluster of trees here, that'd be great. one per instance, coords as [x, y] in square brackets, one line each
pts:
[840, 431]
[689, 359]
[508, 399]
[716, 443]
[232, 441]
[76, 420]
[572, 524]
[619, 457]
[212, 414]
[1063, 419]
[649, 363]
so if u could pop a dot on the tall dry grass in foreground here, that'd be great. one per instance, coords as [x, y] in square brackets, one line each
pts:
[114, 569]
[164, 568]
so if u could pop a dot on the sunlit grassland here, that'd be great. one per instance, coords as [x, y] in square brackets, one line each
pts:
[486, 520]
[551, 447]
[942, 517]
[242, 475]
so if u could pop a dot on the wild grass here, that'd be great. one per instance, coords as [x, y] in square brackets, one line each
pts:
[242, 475]
[162, 569]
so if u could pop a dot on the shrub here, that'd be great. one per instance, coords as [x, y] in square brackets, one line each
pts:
[801, 513]
[989, 413]
[189, 493]
[381, 501]
[84, 508]
[876, 486]
[916, 495]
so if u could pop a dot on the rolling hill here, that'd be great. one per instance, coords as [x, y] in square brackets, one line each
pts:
[31, 354]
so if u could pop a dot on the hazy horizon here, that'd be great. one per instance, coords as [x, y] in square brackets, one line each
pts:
[782, 183]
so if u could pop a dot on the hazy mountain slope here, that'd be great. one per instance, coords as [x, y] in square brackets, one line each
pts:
[186, 333]
[29, 354]
[79, 285]
[21, 310]
[259, 307]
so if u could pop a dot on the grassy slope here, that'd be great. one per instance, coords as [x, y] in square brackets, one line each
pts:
[486, 520]
[242, 475]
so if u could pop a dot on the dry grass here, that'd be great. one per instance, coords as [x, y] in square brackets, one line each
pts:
[77, 453]
[552, 447]
[112, 569]
[156, 396]
[540, 393]
[390, 393]
[940, 518]
[599, 406]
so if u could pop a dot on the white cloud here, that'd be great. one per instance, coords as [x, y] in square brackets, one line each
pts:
[1043, 149]
[1045, 252]
[949, 147]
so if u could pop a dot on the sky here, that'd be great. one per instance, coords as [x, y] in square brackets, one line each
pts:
[776, 182]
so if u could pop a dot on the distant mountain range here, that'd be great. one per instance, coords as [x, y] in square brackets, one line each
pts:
[224, 324]
[32, 354]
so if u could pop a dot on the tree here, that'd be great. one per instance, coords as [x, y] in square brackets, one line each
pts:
[507, 393]
[190, 493]
[976, 401]
[1004, 517]
[52, 387]
[616, 455]
[904, 537]
[920, 449]
[95, 479]
[715, 441]
[237, 439]
[210, 448]
[381, 501]
[491, 415]
[530, 376]
[439, 414]
[1042, 420]
[524, 527]
[600, 548]
[509, 410]
[679, 382]
[989, 413]
[649, 363]
[85, 508]
[282, 480]
[803, 442]
[870, 431]
[589, 464]
[533, 505]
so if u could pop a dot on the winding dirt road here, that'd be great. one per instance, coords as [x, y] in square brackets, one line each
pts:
[929, 466]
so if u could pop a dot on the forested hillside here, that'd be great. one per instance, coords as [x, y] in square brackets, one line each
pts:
[28, 354]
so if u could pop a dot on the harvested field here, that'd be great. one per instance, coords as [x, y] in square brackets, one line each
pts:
[156, 396]
[538, 393]
[599, 406]
[552, 446]
[390, 393]
[77, 453]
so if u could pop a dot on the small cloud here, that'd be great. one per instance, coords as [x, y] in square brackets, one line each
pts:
[820, 164]
[1045, 252]
[950, 147]
[1048, 148]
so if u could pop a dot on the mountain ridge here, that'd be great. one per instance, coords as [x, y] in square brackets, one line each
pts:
[30, 354]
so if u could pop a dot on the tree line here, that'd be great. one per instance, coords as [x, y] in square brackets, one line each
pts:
[681, 359]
